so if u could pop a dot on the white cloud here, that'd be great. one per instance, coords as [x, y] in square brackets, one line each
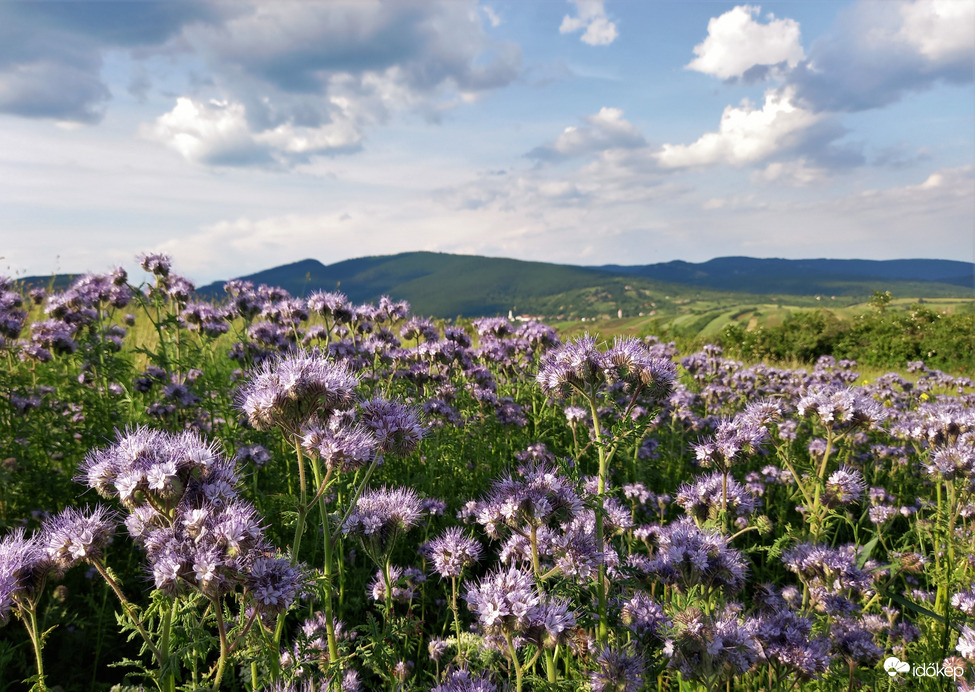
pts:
[607, 129]
[798, 173]
[879, 51]
[214, 132]
[591, 16]
[940, 30]
[746, 134]
[218, 133]
[737, 43]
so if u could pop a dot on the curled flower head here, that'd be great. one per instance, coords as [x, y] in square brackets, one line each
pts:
[844, 486]
[286, 391]
[840, 409]
[341, 447]
[23, 565]
[462, 681]
[156, 263]
[617, 671]
[381, 515]
[452, 551]
[578, 364]
[75, 535]
[396, 426]
[275, 584]
[629, 361]
[505, 601]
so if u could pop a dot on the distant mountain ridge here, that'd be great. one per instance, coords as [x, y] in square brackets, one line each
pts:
[798, 277]
[447, 285]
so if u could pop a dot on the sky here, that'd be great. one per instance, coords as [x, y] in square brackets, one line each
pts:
[239, 136]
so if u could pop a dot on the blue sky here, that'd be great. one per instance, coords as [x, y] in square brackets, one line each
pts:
[241, 135]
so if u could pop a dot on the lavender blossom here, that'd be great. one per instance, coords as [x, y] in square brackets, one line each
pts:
[712, 648]
[75, 535]
[703, 499]
[688, 556]
[504, 601]
[844, 486]
[23, 566]
[285, 392]
[463, 681]
[342, 447]
[381, 515]
[578, 365]
[396, 426]
[452, 552]
[617, 671]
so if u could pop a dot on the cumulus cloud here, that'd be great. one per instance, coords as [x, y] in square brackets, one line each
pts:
[591, 17]
[310, 79]
[877, 52]
[52, 53]
[746, 134]
[217, 133]
[737, 44]
[607, 129]
[798, 173]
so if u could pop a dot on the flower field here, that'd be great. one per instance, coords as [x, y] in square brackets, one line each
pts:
[281, 493]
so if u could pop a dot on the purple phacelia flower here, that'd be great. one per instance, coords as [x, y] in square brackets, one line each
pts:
[381, 515]
[342, 447]
[504, 601]
[452, 552]
[617, 671]
[75, 535]
[287, 391]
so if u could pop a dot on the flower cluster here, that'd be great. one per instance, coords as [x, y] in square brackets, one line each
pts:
[184, 509]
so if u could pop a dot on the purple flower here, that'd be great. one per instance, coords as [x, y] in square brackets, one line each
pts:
[688, 556]
[381, 515]
[834, 570]
[396, 426]
[644, 616]
[629, 361]
[786, 639]
[341, 447]
[540, 497]
[842, 408]
[75, 535]
[452, 551]
[275, 583]
[617, 671]
[334, 306]
[966, 643]
[403, 584]
[285, 392]
[578, 365]
[711, 648]
[844, 486]
[462, 681]
[703, 499]
[504, 601]
[23, 565]
[156, 263]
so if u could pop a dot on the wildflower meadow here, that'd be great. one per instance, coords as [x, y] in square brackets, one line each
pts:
[268, 492]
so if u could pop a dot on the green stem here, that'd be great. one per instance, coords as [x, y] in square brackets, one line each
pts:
[299, 531]
[168, 678]
[602, 635]
[224, 647]
[514, 659]
[129, 610]
[550, 671]
[327, 568]
[35, 639]
[461, 654]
